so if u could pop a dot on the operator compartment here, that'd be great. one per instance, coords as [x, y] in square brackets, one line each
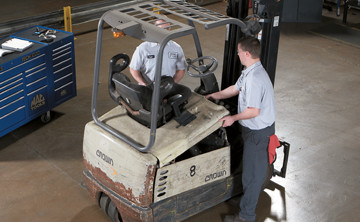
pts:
[137, 98]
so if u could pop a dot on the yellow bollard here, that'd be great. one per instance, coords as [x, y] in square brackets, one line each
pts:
[67, 19]
[155, 10]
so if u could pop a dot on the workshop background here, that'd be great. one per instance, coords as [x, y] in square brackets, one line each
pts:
[317, 98]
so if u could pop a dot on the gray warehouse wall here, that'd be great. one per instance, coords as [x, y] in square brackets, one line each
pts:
[302, 11]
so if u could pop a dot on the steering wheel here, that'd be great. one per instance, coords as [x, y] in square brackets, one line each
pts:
[202, 69]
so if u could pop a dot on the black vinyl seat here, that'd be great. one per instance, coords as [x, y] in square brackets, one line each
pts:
[137, 98]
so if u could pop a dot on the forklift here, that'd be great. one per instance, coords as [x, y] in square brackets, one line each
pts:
[161, 153]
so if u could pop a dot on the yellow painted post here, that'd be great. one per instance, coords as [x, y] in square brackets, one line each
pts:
[157, 12]
[67, 19]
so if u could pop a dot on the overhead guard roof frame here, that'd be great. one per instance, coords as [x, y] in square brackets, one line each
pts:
[137, 19]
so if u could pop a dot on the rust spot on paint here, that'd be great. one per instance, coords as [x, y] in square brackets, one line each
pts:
[142, 200]
[128, 213]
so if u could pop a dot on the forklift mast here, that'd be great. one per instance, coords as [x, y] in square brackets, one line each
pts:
[269, 12]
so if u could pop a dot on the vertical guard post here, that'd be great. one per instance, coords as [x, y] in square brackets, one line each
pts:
[67, 19]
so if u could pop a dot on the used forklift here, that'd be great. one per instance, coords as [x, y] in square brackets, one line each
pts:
[161, 153]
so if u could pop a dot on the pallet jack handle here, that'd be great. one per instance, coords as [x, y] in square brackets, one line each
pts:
[282, 172]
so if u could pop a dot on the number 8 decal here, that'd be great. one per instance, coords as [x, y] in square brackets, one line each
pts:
[192, 170]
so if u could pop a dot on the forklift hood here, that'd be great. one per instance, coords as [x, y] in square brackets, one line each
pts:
[172, 139]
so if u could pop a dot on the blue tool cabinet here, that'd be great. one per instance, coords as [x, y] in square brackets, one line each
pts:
[36, 80]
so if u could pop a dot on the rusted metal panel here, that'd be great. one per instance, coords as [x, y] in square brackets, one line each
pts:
[94, 191]
[118, 166]
[128, 211]
[123, 191]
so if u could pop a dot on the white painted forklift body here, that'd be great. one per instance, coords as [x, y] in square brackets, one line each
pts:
[146, 178]
[129, 173]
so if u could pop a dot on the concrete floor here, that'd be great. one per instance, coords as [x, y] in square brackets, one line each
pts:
[317, 97]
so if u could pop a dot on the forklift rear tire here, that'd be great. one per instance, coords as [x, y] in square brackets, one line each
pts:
[104, 202]
[113, 213]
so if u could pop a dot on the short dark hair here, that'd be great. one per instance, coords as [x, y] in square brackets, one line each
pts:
[250, 44]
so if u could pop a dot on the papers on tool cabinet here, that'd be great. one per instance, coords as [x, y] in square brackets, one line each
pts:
[16, 45]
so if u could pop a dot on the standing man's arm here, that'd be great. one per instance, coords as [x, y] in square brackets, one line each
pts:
[224, 94]
[231, 91]
[137, 76]
[248, 113]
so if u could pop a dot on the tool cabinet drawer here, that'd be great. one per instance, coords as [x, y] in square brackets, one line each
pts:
[65, 70]
[62, 53]
[10, 81]
[35, 73]
[36, 84]
[11, 89]
[64, 92]
[12, 105]
[11, 95]
[11, 118]
[63, 81]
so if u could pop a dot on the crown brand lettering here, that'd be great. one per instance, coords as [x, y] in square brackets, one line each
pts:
[104, 157]
[213, 176]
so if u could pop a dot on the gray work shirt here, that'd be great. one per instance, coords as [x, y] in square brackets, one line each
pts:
[145, 56]
[256, 90]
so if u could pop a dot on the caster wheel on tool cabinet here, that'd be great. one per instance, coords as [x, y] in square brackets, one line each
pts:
[46, 117]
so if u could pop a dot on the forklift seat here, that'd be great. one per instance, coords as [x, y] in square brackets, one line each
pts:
[137, 98]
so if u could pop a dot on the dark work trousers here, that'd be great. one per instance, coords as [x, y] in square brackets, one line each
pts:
[255, 163]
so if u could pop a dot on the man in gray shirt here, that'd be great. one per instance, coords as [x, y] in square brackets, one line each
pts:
[143, 62]
[256, 115]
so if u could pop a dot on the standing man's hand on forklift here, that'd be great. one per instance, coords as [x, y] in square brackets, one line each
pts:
[228, 121]
[208, 96]
[211, 98]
